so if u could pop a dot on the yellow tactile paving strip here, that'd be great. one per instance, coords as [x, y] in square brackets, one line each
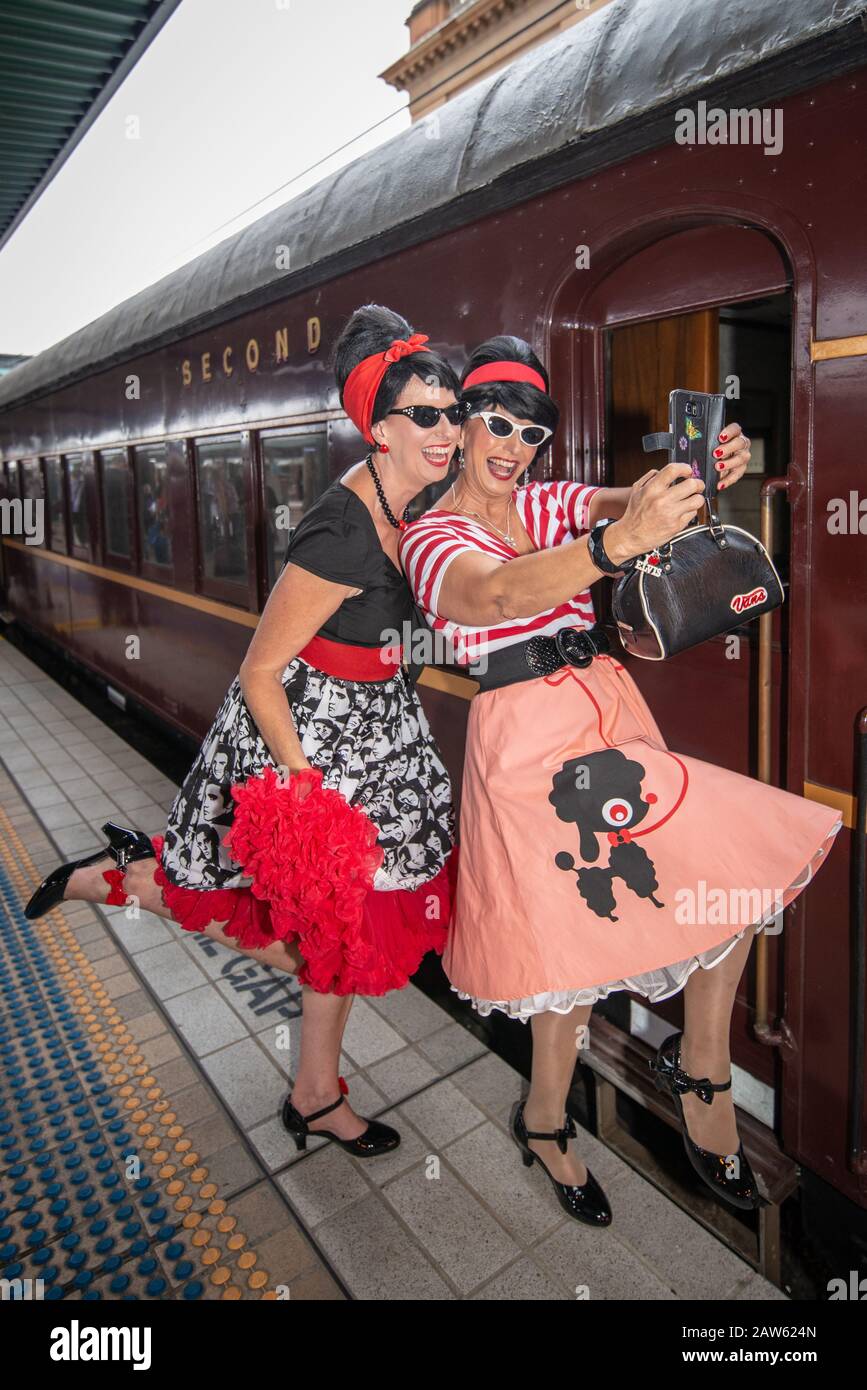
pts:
[213, 1235]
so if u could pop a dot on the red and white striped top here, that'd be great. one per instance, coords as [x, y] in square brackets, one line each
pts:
[553, 514]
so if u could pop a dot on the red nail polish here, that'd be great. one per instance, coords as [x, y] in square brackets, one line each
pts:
[717, 453]
[719, 465]
[723, 436]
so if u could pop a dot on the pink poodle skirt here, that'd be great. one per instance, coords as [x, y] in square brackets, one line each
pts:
[594, 858]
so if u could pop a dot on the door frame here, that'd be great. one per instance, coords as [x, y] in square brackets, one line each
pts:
[576, 356]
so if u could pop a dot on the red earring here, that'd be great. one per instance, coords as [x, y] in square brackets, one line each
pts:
[384, 449]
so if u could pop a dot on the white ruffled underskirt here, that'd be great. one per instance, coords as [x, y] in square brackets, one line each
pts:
[655, 985]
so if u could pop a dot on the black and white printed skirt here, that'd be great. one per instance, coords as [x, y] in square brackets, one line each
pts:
[372, 743]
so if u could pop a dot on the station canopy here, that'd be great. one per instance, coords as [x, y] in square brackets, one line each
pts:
[60, 63]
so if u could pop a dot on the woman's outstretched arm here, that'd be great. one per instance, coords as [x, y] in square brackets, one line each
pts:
[478, 590]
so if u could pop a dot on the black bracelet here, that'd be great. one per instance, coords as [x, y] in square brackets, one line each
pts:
[596, 549]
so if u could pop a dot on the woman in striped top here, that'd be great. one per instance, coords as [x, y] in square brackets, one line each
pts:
[585, 841]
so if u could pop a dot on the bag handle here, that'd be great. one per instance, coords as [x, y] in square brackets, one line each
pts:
[715, 527]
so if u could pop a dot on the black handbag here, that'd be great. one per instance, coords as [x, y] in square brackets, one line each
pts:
[705, 581]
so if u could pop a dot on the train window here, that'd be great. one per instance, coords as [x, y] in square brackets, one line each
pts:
[56, 508]
[294, 472]
[76, 472]
[152, 494]
[756, 354]
[31, 480]
[116, 502]
[34, 501]
[222, 511]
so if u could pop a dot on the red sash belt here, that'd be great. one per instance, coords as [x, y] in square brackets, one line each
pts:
[351, 663]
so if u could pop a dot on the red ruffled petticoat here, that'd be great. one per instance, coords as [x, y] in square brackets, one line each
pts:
[312, 858]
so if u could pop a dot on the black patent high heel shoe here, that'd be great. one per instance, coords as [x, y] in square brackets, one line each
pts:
[378, 1138]
[741, 1190]
[586, 1203]
[123, 846]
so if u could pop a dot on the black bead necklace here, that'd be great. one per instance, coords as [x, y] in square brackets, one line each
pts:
[390, 516]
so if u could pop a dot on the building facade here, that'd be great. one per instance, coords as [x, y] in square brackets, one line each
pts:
[453, 43]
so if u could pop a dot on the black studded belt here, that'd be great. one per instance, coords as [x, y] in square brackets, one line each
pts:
[541, 656]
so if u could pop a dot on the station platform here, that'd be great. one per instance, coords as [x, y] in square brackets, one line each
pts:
[142, 1070]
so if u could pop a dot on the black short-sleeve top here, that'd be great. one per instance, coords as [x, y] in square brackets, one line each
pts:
[337, 539]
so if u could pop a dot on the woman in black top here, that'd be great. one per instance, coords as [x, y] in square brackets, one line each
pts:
[339, 864]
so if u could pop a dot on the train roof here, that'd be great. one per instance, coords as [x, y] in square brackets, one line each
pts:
[603, 90]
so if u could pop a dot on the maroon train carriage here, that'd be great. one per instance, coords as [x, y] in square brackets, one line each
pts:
[176, 437]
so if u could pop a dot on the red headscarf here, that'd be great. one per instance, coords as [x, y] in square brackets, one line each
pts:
[365, 379]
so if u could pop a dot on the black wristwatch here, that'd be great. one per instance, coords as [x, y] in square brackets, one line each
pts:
[596, 550]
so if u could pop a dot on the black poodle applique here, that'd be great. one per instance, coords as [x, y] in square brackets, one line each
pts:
[601, 794]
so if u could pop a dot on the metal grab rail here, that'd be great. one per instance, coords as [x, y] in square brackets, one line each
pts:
[857, 1153]
[772, 1036]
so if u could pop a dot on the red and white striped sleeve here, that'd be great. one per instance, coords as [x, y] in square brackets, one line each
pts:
[575, 499]
[426, 550]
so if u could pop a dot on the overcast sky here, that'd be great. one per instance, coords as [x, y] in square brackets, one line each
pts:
[233, 99]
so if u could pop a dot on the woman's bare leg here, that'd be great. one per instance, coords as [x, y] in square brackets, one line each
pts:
[555, 1042]
[709, 997]
[88, 885]
[323, 1015]
[316, 1082]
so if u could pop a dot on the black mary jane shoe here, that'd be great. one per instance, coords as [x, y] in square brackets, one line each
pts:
[123, 847]
[586, 1203]
[378, 1138]
[740, 1191]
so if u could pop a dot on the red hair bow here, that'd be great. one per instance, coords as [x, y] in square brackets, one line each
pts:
[402, 347]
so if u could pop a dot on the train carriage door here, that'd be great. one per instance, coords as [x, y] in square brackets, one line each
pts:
[705, 309]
